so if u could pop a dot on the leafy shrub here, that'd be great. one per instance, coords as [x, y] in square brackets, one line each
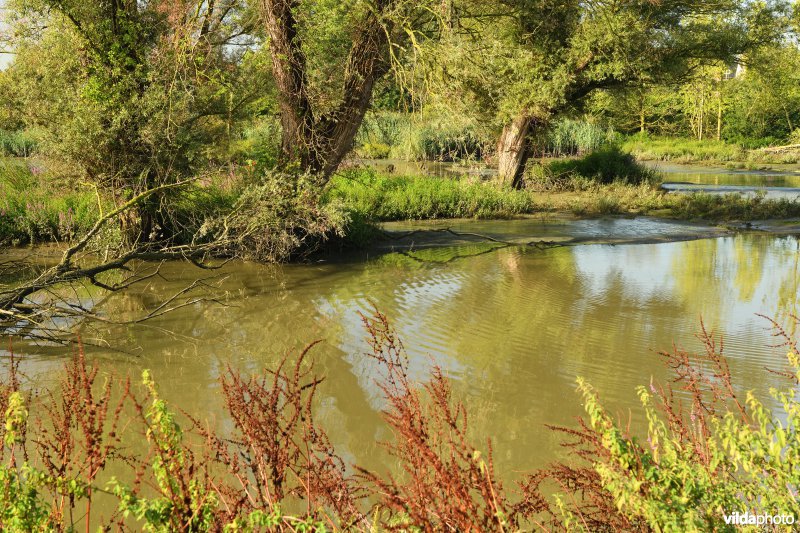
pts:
[709, 451]
[258, 147]
[374, 151]
[606, 165]
[279, 218]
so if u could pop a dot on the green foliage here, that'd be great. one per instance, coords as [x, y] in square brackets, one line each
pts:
[279, 217]
[374, 150]
[731, 456]
[606, 165]
[23, 505]
[377, 197]
[681, 150]
[765, 101]
[33, 210]
[744, 154]
[752, 102]
[432, 136]
[170, 464]
[17, 143]
[569, 137]
[258, 148]
[732, 207]
[129, 96]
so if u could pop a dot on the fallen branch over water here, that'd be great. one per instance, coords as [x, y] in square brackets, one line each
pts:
[33, 306]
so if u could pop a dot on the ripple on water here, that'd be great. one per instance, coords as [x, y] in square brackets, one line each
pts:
[513, 327]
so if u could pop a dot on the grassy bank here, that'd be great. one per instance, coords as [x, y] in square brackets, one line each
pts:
[34, 210]
[380, 197]
[357, 199]
[678, 150]
[373, 197]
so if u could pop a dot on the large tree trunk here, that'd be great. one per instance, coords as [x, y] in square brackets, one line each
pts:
[513, 150]
[366, 64]
[318, 143]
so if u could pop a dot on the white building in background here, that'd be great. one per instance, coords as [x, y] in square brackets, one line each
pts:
[735, 70]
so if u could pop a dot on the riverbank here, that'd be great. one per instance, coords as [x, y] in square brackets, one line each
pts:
[377, 197]
[32, 211]
[709, 152]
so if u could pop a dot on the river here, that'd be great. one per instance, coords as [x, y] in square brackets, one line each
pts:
[513, 326]
[513, 321]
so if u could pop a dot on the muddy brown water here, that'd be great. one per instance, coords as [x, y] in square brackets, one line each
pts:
[513, 326]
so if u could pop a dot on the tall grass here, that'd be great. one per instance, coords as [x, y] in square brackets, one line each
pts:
[709, 151]
[379, 197]
[17, 143]
[418, 136]
[568, 137]
[371, 197]
[682, 150]
[33, 210]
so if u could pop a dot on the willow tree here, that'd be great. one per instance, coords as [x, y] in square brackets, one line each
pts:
[522, 62]
[129, 93]
[326, 60]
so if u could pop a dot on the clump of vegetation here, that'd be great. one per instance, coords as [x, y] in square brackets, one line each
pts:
[423, 136]
[379, 197]
[569, 137]
[708, 452]
[732, 207]
[605, 165]
[17, 143]
[277, 218]
[370, 197]
[257, 147]
[743, 154]
[33, 209]
[682, 150]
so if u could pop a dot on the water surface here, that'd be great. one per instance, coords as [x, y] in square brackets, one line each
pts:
[513, 326]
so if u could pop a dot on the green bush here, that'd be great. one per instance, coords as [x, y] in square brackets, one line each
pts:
[708, 452]
[606, 165]
[280, 217]
[374, 150]
[257, 147]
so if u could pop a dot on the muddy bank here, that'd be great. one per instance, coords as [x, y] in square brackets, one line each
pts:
[560, 230]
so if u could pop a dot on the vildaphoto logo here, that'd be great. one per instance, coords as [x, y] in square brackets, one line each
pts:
[748, 519]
